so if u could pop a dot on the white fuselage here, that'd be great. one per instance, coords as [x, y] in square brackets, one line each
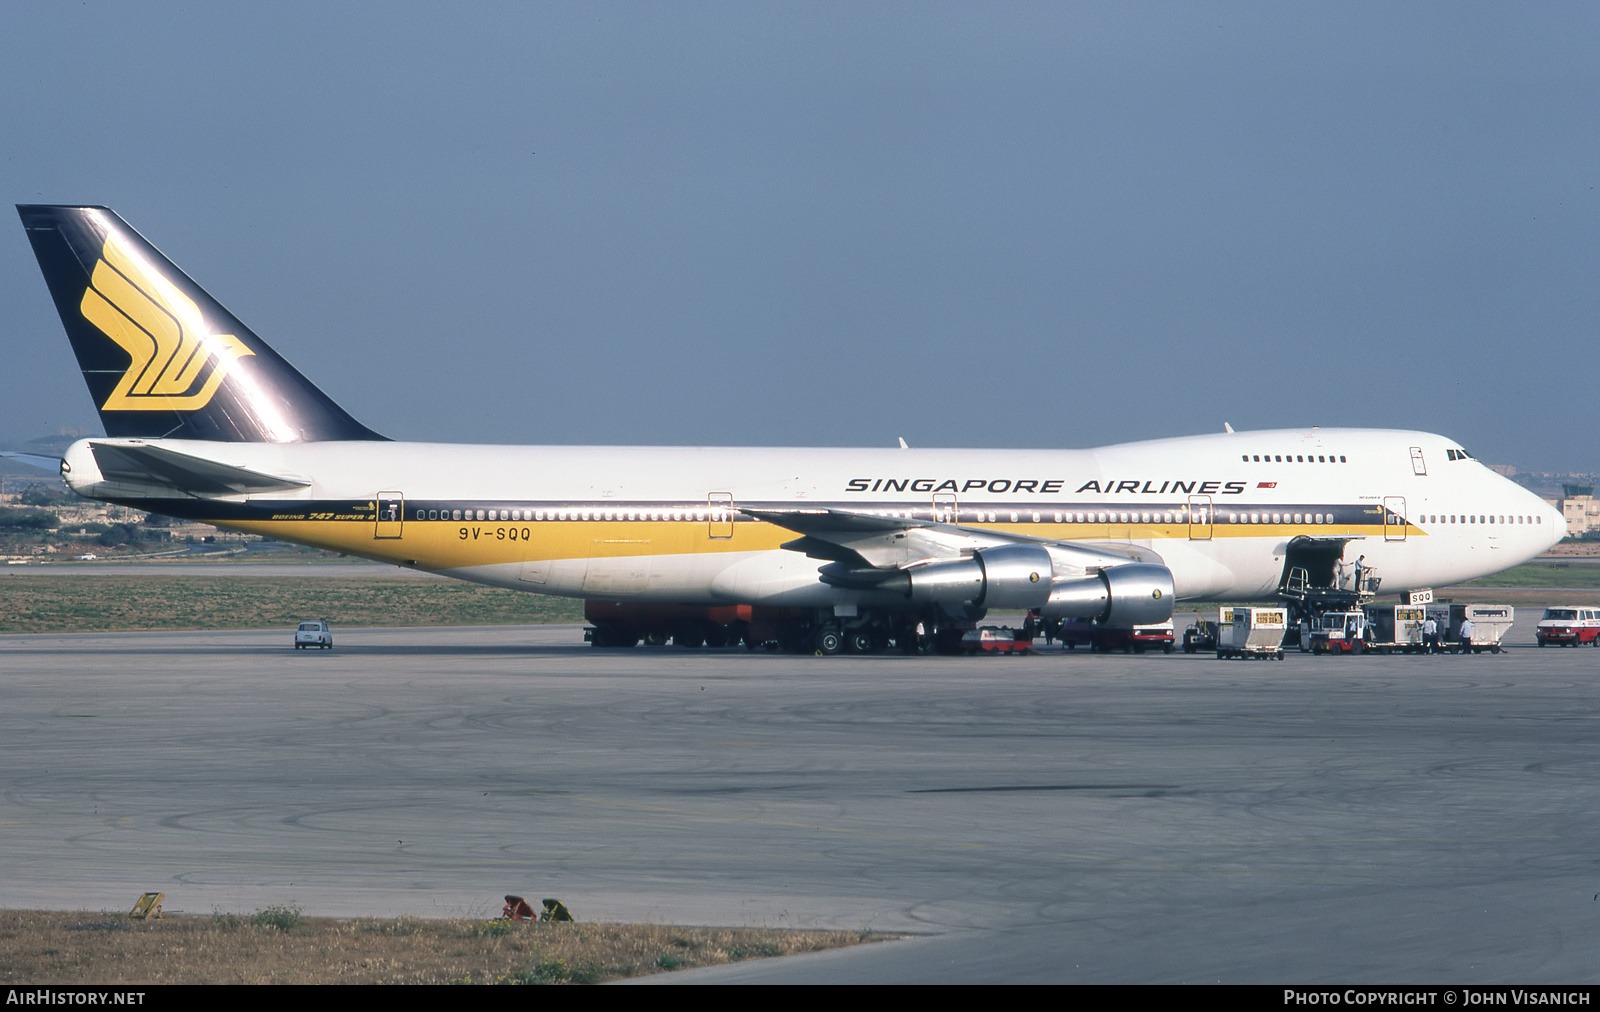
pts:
[661, 523]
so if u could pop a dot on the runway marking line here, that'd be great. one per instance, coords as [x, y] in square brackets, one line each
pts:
[1367, 839]
[1275, 875]
[1176, 866]
[759, 821]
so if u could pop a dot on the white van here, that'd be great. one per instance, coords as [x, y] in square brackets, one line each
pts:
[1569, 627]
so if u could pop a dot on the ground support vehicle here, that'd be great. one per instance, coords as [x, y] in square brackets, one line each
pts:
[1569, 627]
[1204, 634]
[1339, 632]
[1154, 636]
[1490, 623]
[1315, 588]
[991, 639]
[1109, 639]
[1254, 633]
[1396, 628]
[1383, 629]
[313, 634]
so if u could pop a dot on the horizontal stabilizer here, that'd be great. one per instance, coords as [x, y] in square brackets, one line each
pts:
[138, 464]
[38, 460]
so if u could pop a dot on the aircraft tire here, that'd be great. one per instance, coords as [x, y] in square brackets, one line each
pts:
[830, 641]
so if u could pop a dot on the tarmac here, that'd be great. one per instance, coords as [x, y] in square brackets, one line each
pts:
[1054, 818]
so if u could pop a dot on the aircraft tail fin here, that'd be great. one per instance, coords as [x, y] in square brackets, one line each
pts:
[162, 358]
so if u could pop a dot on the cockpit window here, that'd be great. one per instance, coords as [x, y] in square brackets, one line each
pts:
[1458, 455]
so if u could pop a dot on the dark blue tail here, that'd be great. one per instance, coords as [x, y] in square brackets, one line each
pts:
[161, 357]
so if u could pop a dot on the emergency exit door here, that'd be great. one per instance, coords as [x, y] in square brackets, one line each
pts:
[1394, 518]
[944, 508]
[720, 514]
[1200, 518]
[391, 515]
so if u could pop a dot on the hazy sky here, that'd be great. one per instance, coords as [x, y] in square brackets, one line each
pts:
[1065, 224]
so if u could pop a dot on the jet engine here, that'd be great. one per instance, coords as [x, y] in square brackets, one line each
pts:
[1020, 576]
[1118, 596]
[1006, 576]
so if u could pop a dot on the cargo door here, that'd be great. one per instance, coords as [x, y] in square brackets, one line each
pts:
[944, 508]
[391, 514]
[1200, 518]
[1394, 518]
[719, 507]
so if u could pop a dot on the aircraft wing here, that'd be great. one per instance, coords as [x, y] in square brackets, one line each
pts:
[140, 464]
[865, 542]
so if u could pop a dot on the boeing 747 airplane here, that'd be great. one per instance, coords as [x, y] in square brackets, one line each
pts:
[826, 548]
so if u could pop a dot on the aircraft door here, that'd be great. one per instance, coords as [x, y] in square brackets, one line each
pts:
[720, 514]
[1394, 518]
[1418, 465]
[1200, 518]
[391, 514]
[944, 508]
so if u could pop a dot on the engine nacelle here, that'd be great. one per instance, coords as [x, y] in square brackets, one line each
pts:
[1120, 596]
[1006, 576]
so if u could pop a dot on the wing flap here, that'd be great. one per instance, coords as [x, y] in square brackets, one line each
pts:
[896, 542]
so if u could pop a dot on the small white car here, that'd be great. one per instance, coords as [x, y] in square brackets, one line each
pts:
[313, 634]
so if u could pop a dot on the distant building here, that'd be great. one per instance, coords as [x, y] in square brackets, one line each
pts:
[1581, 510]
[1506, 470]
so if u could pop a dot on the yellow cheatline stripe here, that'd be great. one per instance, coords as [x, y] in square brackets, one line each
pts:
[438, 544]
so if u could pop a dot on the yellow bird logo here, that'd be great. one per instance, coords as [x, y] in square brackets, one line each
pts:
[162, 331]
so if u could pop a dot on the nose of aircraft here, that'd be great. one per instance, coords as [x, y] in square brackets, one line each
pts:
[1555, 524]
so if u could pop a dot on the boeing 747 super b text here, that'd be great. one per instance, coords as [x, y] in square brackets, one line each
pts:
[852, 548]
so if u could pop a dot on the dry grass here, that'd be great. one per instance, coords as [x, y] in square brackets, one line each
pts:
[114, 603]
[280, 947]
